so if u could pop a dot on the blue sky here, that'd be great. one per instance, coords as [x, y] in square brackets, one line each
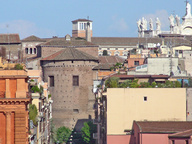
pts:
[111, 18]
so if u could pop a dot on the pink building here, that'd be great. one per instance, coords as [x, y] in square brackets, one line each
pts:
[161, 132]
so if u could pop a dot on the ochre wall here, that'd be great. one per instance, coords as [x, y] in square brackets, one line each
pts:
[127, 104]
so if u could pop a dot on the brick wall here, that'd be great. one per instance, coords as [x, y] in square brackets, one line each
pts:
[71, 102]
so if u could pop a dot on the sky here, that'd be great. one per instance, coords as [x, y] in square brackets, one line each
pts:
[111, 18]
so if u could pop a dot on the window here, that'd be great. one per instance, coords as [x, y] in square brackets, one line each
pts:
[75, 110]
[145, 98]
[31, 50]
[75, 80]
[35, 50]
[187, 142]
[180, 51]
[51, 81]
[26, 50]
[136, 63]
[173, 141]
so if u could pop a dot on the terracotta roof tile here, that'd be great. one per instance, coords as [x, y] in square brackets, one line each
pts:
[9, 38]
[133, 41]
[187, 133]
[111, 59]
[74, 42]
[70, 54]
[164, 126]
[33, 39]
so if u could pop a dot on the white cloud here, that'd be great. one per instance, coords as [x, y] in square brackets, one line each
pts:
[163, 17]
[25, 29]
[118, 24]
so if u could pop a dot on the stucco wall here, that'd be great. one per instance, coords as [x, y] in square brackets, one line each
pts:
[124, 105]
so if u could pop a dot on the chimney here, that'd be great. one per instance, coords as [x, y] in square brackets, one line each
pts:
[88, 32]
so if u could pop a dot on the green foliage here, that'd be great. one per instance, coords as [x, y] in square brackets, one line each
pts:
[145, 85]
[105, 53]
[49, 96]
[153, 84]
[189, 84]
[62, 134]
[112, 82]
[87, 132]
[33, 113]
[18, 67]
[35, 89]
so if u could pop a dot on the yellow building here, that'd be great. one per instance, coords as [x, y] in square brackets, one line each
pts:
[124, 105]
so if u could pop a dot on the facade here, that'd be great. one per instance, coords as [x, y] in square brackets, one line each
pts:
[29, 48]
[79, 27]
[14, 100]
[166, 132]
[159, 66]
[42, 100]
[142, 104]
[10, 46]
[70, 80]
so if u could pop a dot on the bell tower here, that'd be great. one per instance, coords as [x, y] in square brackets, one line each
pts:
[80, 26]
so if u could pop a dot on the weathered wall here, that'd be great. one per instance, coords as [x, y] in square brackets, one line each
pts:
[70, 102]
[189, 104]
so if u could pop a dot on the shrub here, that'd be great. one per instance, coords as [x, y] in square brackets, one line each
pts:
[18, 67]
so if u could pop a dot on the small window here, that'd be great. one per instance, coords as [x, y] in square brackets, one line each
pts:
[31, 50]
[75, 80]
[187, 142]
[124, 48]
[51, 81]
[26, 50]
[116, 48]
[35, 50]
[76, 110]
[180, 51]
[136, 63]
[173, 141]
[145, 98]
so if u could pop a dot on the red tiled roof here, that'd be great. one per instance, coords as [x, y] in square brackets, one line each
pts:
[70, 54]
[134, 41]
[140, 76]
[163, 126]
[187, 133]
[33, 39]
[110, 59]
[74, 42]
[9, 38]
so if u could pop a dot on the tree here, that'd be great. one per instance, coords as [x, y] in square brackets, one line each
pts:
[105, 53]
[87, 132]
[63, 133]
[33, 113]
[112, 82]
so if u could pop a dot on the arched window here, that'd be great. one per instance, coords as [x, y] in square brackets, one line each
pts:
[116, 53]
[26, 50]
[125, 53]
[35, 51]
[31, 50]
